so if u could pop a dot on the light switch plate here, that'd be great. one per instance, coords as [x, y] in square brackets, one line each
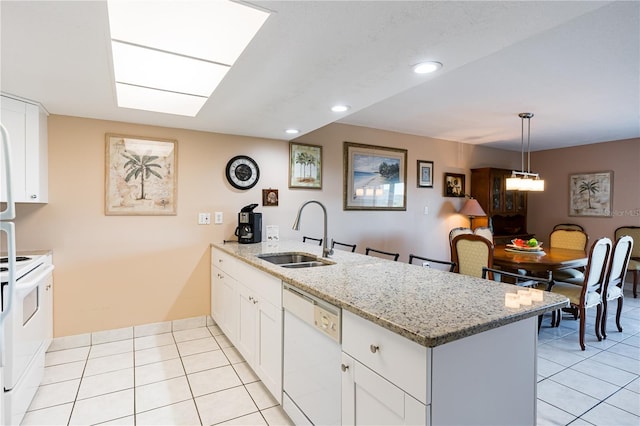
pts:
[217, 218]
[204, 218]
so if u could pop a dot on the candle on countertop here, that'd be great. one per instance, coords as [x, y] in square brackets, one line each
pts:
[524, 297]
[511, 300]
[536, 295]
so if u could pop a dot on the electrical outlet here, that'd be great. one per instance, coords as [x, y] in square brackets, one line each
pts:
[204, 218]
[217, 218]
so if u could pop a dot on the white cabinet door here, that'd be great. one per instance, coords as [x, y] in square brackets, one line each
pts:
[259, 338]
[224, 302]
[268, 361]
[369, 399]
[248, 323]
[26, 124]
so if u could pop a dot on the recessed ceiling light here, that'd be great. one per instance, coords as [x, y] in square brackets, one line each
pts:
[292, 131]
[340, 108]
[426, 67]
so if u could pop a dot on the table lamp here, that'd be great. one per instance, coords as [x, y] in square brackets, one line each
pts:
[472, 209]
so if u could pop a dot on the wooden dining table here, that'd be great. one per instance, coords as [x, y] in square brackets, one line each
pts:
[550, 259]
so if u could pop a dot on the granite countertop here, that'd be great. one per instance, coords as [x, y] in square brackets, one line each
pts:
[428, 306]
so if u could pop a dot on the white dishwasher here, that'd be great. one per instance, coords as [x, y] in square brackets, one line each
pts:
[311, 370]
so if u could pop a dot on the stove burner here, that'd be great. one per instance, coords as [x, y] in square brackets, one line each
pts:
[3, 269]
[18, 259]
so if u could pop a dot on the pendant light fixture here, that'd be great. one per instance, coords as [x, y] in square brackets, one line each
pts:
[525, 181]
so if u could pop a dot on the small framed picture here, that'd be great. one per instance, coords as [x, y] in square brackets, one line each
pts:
[454, 185]
[305, 166]
[269, 197]
[425, 174]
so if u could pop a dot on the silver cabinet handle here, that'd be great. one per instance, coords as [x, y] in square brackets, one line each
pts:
[374, 348]
[344, 367]
[34, 196]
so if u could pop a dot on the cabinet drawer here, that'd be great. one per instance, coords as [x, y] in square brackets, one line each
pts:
[401, 361]
[266, 285]
[225, 262]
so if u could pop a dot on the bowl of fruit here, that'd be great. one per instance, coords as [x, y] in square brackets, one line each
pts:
[525, 245]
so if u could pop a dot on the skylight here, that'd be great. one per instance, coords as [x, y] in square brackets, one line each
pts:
[169, 56]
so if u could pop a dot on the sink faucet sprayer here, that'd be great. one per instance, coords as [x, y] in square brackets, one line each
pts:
[326, 252]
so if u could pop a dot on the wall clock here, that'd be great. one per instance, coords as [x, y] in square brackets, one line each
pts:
[242, 172]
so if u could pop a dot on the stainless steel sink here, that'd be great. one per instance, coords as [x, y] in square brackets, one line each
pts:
[294, 260]
[311, 264]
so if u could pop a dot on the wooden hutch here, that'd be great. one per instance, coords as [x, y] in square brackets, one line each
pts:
[506, 210]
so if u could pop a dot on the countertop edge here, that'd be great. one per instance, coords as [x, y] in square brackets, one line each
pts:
[422, 340]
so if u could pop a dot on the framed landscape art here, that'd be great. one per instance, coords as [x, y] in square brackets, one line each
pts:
[305, 166]
[591, 194]
[140, 176]
[374, 177]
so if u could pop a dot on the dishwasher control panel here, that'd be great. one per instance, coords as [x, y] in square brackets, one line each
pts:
[317, 313]
[327, 322]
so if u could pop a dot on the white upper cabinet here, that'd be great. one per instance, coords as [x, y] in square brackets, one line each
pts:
[26, 124]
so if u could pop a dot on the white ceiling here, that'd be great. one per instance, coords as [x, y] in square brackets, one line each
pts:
[574, 64]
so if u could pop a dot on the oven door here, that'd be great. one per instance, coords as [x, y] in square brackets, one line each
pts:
[25, 328]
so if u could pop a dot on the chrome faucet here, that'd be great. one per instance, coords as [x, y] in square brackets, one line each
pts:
[326, 251]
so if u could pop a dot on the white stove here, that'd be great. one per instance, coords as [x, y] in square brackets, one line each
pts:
[26, 331]
[24, 265]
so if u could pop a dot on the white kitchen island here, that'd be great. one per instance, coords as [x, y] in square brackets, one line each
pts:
[419, 346]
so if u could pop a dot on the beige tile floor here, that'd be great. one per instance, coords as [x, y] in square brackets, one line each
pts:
[187, 373]
[599, 386]
[175, 373]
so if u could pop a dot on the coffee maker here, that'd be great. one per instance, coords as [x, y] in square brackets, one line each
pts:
[249, 228]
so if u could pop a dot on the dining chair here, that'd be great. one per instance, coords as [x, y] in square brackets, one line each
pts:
[471, 253]
[614, 282]
[458, 231]
[573, 226]
[318, 240]
[634, 261]
[484, 231]
[335, 243]
[426, 262]
[572, 239]
[368, 250]
[590, 293]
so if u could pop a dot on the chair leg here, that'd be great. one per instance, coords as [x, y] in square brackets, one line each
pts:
[539, 322]
[603, 325]
[635, 283]
[598, 319]
[559, 317]
[618, 311]
[582, 324]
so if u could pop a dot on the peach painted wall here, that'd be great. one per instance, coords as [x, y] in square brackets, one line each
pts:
[117, 271]
[552, 206]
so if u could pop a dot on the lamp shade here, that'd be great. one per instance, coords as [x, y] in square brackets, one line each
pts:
[472, 208]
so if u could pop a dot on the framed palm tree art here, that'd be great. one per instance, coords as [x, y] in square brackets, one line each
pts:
[591, 194]
[305, 166]
[140, 176]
